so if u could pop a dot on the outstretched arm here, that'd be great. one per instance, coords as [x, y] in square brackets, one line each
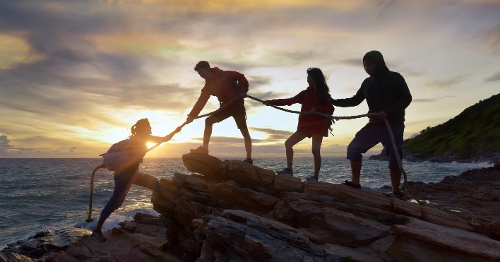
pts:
[198, 106]
[169, 136]
[287, 101]
[349, 102]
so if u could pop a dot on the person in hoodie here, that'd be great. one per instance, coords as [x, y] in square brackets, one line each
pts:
[316, 98]
[227, 86]
[387, 96]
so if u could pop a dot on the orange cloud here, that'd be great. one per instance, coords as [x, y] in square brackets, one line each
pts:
[14, 50]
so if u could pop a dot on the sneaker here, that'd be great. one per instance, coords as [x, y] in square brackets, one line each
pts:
[400, 195]
[285, 171]
[248, 160]
[200, 150]
[351, 184]
[311, 178]
[97, 236]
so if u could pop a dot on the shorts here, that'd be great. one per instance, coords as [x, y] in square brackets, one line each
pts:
[372, 134]
[239, 115]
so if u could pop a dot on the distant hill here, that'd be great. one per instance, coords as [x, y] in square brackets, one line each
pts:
[474, 134]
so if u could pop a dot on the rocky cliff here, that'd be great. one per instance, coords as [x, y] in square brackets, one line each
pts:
[234, 211]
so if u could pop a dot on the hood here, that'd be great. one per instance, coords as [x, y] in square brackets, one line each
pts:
[379, 60]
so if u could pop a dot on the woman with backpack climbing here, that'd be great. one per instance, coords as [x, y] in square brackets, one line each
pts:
[316, 98]
[126, 173]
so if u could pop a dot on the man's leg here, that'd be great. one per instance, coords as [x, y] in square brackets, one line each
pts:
[394, 168]
[355, 170]
[365, 139]
[207, 133]
[248, 142]
[240, 118]
[395, 179]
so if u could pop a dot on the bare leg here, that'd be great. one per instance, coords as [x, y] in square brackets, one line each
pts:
[356, 170]
[248, 142]
[207, 133]
[395, 179]
[316, 151]
[289, 143]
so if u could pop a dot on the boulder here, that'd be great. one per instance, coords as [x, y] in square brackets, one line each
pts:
[231, 211]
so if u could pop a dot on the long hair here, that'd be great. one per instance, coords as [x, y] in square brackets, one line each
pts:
[140, 126]
[322, 90]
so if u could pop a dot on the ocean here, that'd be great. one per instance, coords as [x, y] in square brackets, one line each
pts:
[53, 194]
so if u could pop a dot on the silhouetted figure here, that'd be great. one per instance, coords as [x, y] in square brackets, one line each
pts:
[388, 96]
[129, 173]
[315, 98]
[226, 86]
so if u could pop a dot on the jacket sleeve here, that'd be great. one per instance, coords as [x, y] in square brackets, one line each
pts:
[241, 82]
[200, 104]
[289, 101]
[352, 101]
[404, 97]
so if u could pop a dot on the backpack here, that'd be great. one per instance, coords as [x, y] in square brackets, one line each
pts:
[117, 156]
[235, 84]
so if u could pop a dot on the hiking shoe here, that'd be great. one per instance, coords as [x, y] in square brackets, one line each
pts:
[248, 160]
[285, 171]
[200, 150]
[97, 236]
[400, 195]
[311, 178]
[351, 184]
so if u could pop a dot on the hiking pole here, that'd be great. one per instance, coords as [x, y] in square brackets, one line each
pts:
[89, 217]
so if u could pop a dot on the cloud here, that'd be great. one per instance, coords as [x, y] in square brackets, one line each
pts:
[492, 37]
[446, 83]
[82, 67]
[4, 143]
[430, 100]
[493, 78]
[273, 135]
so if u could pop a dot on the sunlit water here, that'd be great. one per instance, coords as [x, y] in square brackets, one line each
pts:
[39, 194]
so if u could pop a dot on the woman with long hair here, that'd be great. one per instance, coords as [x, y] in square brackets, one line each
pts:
[316, 98]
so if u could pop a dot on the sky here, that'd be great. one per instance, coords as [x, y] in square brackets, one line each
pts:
[76, 75]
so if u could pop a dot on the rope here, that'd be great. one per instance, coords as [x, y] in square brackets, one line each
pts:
[332, 118]
[406, 187]
[178, 129]
[311, 112]
[89, 217]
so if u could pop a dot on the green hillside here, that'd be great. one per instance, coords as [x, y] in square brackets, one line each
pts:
[473, 133]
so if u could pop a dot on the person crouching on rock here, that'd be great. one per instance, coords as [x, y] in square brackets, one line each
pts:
[129, 174]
